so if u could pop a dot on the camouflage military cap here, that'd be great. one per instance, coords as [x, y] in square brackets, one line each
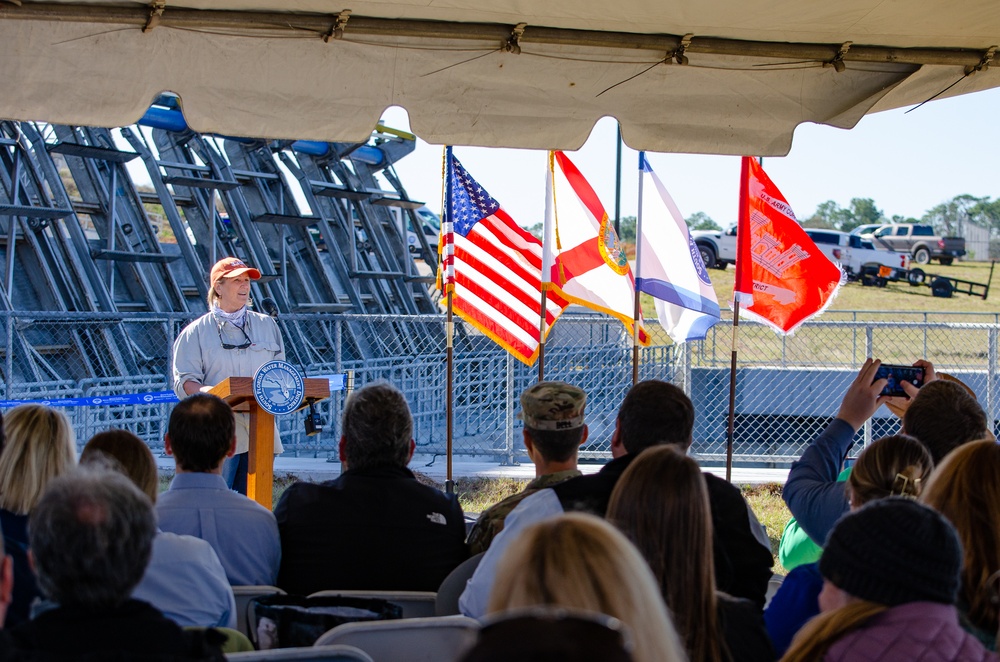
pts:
[553, 406]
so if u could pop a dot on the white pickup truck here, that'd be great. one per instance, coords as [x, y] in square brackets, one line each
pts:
[852, 252]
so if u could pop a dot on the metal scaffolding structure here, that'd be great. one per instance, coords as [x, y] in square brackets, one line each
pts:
[130, 220]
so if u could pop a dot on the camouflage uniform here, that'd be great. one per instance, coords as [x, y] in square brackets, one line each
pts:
[490, 522]
[544, 406]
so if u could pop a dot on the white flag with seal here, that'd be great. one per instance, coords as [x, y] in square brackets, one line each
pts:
[668, 264]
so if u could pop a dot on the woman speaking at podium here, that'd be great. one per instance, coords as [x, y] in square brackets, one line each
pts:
[228, 341]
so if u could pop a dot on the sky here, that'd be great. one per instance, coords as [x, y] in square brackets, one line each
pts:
[906, 162]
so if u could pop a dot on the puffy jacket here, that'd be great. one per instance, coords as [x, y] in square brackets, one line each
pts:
[914, 632]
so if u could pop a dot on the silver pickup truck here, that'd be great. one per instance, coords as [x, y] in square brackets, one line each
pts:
[920, 242]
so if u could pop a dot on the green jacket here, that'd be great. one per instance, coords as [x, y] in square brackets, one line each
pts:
[796, 548]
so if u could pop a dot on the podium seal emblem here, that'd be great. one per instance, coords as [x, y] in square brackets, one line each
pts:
[278, 387]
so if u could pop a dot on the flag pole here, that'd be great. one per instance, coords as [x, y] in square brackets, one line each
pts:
[638, 271]
[541, 335]
[740, 290]
[449, 484]
[546, 262]
[730, 429]
[444, 263]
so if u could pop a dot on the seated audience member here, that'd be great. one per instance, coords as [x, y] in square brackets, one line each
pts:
[890, 466]
[40, 445]
[941, 415]
[184, 578]
[7, 651]
[544, 634]
[91, 537]
[966, 490]
[244, 534]
[944, 415]
[375, 526]
[6, 574]
[661, 505]
[554, 430]
[578, 561]
[891, 573]
[653, 413]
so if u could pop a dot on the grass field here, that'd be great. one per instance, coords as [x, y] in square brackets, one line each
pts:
[478, 494]
[895, 296]
[836, 339]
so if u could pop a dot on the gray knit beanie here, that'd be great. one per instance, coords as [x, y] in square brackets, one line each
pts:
[893, 551]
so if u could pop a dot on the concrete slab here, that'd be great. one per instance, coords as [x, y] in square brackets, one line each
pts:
[319, 469]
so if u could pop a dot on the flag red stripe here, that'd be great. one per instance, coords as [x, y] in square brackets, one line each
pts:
[517, 269]
[485, 320]
[486, 273]
[486, 242]
[577, 261]
[581, 186]
[499, 306]
[490, 275]
[516, 237]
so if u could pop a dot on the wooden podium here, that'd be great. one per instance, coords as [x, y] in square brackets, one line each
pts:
[238, 392]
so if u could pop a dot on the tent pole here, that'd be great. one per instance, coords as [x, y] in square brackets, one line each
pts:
[637, 313]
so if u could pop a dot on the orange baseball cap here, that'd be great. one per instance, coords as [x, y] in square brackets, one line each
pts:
[231, 267]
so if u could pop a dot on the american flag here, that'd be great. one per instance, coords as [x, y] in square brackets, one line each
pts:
[493, 267]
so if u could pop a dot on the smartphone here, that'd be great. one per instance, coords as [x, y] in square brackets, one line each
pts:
[896, 375]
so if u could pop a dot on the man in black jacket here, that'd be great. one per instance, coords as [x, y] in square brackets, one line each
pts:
[652, 413]
[375, 527]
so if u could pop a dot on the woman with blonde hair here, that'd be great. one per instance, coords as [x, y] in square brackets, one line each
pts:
[39, 445]
[966, 490]
[891, 572]
[578, 561]
[661, 504]
[891, 466]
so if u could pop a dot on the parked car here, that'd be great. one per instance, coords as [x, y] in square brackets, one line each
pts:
[717, 247]
[921, 242]
[430, 224]
[866, 229]
[854, 252]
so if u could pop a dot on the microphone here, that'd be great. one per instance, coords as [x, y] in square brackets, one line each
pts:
[268, 305]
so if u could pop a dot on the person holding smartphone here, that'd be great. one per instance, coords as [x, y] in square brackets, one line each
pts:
[228, 341]
[812, 491]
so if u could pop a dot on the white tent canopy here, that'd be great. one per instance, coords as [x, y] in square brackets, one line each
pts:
[500, 73]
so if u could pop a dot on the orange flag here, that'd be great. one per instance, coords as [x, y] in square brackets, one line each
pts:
[782, 279]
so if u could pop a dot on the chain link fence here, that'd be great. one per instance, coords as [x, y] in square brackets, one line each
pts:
[788, 388]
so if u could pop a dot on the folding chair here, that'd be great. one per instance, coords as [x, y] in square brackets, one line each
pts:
[311, 654]
[772, 587]
[244, 594]
[453, 585]
[437, 639]
[415, 604]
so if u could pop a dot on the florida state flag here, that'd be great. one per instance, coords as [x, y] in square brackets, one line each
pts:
[782, 279]
[581, 252]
